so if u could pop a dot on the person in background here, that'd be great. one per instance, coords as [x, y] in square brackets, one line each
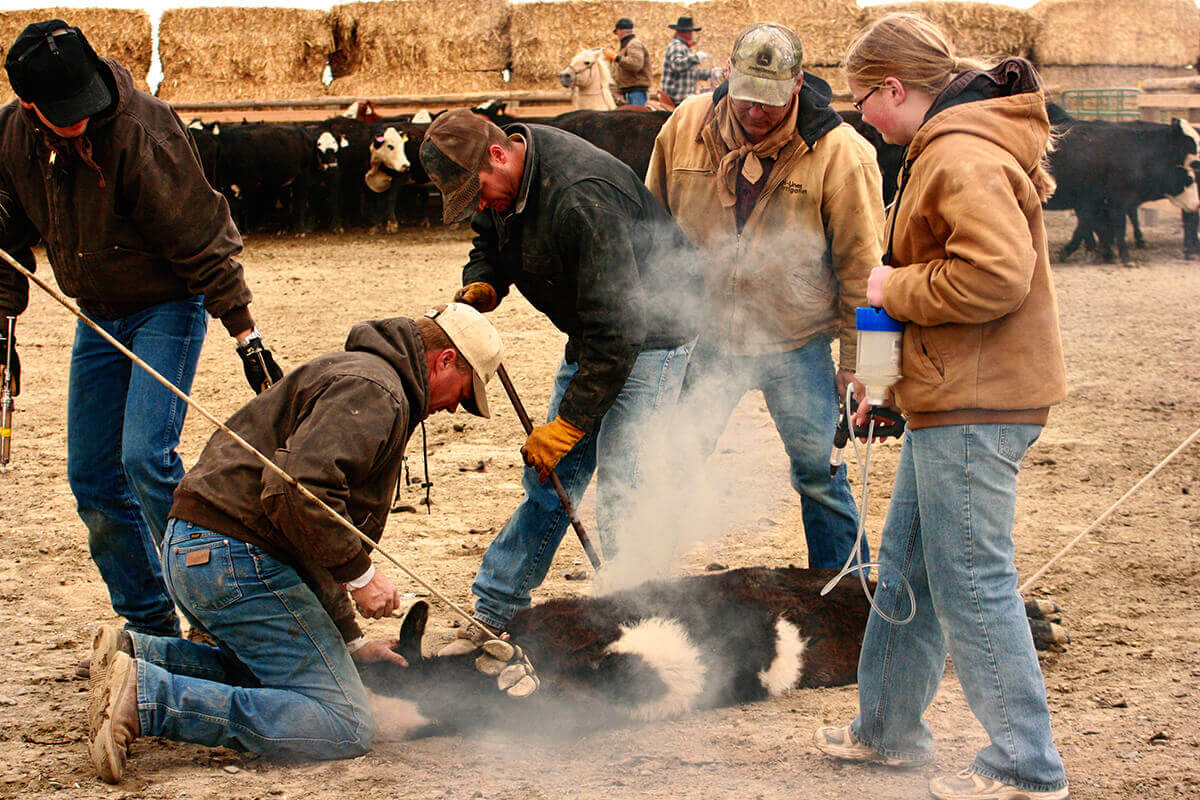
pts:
[681, 72]
[782, 199]
[108, 179]
[631, 64]
[967, 270]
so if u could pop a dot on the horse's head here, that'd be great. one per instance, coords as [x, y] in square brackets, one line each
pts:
[582, 71]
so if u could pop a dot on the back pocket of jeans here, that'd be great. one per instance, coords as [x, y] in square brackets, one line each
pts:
[203, 575]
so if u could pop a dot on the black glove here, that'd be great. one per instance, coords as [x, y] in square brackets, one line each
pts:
[258, 364]
[15, 366]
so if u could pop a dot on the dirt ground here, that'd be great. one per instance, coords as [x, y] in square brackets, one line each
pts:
[1122, 696]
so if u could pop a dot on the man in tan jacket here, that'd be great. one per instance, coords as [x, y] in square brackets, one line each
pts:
[784, 201]
[631, 65]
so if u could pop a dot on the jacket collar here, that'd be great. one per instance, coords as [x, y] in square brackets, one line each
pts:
[815, 118]
[531, 164]
[1011, 76]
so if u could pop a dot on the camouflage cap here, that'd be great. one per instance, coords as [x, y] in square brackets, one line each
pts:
[452, 152]
[765, 64]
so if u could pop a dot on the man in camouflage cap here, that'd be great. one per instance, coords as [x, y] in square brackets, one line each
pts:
[784, 201]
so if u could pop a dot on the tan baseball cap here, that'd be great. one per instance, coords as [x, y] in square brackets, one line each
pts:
[765, 64]
[478, 342]
[452, 152]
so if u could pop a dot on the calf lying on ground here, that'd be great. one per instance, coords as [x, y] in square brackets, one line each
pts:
[652, 652]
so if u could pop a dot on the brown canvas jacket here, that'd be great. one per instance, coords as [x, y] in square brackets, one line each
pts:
[632, 67]
[800, 266]
[973, 279]
[339, 425]
[155, 231]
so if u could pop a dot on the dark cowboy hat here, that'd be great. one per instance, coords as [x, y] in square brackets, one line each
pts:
[623, 24]
[684, 24]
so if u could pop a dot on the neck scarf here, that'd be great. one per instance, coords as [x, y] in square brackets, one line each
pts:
[78, 146]
[738, 145]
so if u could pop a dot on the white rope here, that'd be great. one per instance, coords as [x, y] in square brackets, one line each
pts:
[1033, 578]
[266, 462]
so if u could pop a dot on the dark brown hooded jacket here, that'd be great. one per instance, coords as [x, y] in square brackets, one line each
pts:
[339, 425]
[137, 227]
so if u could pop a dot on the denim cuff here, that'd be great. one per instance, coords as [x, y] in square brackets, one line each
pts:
[980, 769]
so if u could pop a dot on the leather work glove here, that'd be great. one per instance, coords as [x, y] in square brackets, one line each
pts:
[15, 378]
[548, 443]
[258, 363]
[479, 295]
[512, 668]
[611, 55]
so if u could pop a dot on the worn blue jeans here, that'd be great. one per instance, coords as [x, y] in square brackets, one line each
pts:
[280, 681]
[800, 388]
[122, 430]
[519, 557]
[635, 97]
[949, 533]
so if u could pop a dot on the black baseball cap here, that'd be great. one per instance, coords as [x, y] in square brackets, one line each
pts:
[52, 66]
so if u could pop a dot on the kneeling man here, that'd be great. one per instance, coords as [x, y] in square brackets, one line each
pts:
[268, 574]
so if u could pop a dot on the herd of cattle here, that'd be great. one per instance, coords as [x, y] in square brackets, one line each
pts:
[350, 172]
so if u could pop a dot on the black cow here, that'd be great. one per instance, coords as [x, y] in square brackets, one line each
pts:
[1105, 170]
[265, 169]
[652, 652]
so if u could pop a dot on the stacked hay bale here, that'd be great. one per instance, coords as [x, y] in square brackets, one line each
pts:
[1114, 43]
[243, 53]
[122, 34]
[982, 30]
[419, 46]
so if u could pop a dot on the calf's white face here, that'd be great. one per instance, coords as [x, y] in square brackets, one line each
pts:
[388, 150]
[327, 150]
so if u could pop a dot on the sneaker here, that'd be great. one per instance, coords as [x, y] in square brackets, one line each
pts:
[840, 743]
[119, 723]
[970, 785]
[106, 643]
[467, 640]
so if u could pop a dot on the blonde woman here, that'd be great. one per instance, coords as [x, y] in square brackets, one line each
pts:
[967, 270]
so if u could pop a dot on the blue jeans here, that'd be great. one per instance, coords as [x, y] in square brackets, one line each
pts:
[122, 430]
[635, 97]
[280, 681]
[949, 533]
[519, 557]
[800, 388]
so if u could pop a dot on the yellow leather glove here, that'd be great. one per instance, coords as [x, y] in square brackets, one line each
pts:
[611, 55]
[480, 295]
[548, 443]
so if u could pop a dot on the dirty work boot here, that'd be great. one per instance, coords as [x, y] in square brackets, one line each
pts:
[970, 785]
[467, 640]
[840, 743]
[106, 643]
[119, 723]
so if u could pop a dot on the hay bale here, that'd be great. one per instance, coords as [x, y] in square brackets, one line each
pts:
[1056, 78]
[391, 47]
[430, 82]
[825, 27]
[122, 34]
[1163, 33]
[983, 30]
[547, 35]
[220, 53]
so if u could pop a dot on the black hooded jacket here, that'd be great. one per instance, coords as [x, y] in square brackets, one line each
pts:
[593, 250]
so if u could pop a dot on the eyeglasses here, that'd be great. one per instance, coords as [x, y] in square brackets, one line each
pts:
[858, 104]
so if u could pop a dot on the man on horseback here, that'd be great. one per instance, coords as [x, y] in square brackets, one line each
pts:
[631, 65]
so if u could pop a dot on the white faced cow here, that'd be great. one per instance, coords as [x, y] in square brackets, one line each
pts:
[388, 159]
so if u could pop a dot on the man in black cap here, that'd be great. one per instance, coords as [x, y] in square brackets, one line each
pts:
[588, 245]
[680, 65]
[109, 180]
[631, 64]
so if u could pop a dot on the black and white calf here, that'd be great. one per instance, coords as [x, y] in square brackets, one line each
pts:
[652, 652]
